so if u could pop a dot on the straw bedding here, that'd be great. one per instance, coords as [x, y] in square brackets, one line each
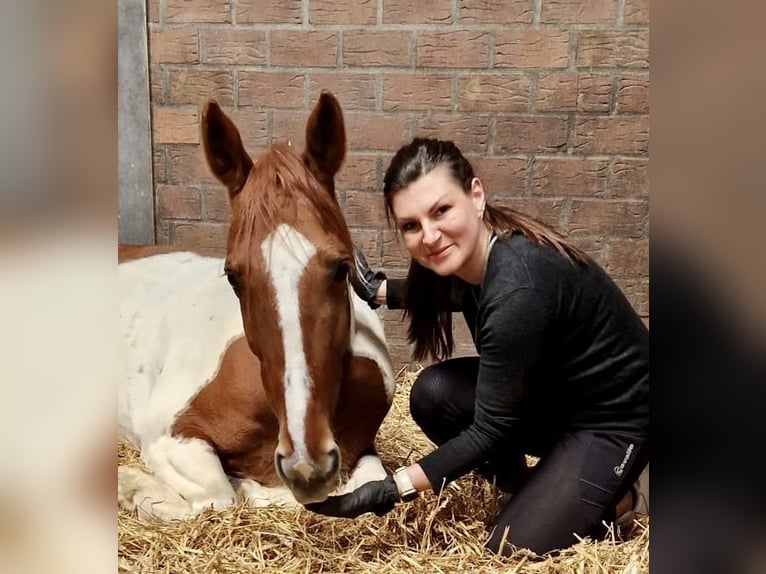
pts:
[432, 534]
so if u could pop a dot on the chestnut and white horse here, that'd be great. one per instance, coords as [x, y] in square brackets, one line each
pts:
[261, 375]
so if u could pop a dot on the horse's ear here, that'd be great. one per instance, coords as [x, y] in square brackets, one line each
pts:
[326, 139]
[224, 151]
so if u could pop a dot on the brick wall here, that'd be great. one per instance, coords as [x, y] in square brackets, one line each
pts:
[549, 98]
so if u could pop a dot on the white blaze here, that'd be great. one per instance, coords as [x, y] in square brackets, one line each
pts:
[287, 252]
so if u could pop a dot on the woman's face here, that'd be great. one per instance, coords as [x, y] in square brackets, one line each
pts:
[441, 225]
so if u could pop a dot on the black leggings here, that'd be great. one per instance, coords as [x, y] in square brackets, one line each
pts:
[580, 476]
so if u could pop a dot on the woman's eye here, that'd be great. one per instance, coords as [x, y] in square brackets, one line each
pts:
[407, 227]
[442, 209]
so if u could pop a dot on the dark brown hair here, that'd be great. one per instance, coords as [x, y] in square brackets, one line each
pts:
[428, 297]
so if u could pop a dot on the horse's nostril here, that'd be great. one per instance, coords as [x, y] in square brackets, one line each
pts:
[334, 455]
[280, 469]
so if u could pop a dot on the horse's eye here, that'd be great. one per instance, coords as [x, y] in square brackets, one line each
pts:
[340, 270]
[233, 280]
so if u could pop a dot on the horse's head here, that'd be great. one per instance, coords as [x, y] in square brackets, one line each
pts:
[288, 254]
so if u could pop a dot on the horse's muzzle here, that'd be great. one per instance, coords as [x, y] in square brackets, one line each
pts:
[309, 481]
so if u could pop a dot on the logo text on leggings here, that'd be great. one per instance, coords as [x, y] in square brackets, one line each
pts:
[621, 467]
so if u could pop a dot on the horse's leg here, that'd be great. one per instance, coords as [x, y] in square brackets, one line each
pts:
[188, 477]
[259, 496]
[368, 468]
[138, 489]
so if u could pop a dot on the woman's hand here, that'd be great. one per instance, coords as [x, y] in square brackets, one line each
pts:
[365, 281]
[379, 496]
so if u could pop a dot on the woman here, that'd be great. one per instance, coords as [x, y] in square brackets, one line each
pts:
[562, 371]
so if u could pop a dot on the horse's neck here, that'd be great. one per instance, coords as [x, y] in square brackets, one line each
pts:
[369, 340]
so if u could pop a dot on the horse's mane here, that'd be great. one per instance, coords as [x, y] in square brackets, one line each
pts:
[279, 181]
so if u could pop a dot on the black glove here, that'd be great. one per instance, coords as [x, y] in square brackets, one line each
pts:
[378, 496]
[364, 280]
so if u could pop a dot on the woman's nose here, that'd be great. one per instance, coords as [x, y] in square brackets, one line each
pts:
[431, 234]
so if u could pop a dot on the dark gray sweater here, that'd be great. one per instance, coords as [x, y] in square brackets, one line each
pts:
[560, 349]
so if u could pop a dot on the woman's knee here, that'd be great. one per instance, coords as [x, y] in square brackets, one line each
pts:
[442, 399]
[427, 396]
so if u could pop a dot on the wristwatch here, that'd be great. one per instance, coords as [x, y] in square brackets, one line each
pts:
[407, 492]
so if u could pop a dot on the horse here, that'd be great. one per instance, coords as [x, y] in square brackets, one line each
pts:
[259, 376]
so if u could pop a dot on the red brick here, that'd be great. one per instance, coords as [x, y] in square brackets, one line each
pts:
[594, 247]
[501, 175]
[153, 10]
[417, 92]
[422, 12]
[469, 132]
[461, 335]
[610, 218]
[175, 125]
[396, 328]
[458, 49]
[268, 11]
[636, 12]
[157, 84]
[178, 202]
[493, 93]
[629, 178]
[159, 165]
[342, 12]
[354, 91]
[304, 48]
[594, 94]
[216, 202]
[541, 134]
[201, 236]
[162, 236]
[532, 48]
[271, 89]
[549, 211]
[377, 48]
[367, 241]
[556, 92]
[376, 131]
[612, 135]
[633, 94]
[174, 45]
[189, 86]
[496, 11]
[359, 172]
[637, 292]
[187, 165]
[579, 11]
[395, 255]
[364, 209]
[609, 48]
[569, 176]
[567, 91]
[291, 126]
[253, 127]
[628, 258]
[177, 11]
[232, 47]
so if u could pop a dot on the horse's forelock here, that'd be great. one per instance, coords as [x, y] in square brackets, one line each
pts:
[279, 180]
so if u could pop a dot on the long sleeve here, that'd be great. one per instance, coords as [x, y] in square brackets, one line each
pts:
[511, 338]
[395, 293]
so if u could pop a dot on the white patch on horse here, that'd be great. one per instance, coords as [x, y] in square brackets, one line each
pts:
[162, 364]
[287, 252]
[369, 340]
